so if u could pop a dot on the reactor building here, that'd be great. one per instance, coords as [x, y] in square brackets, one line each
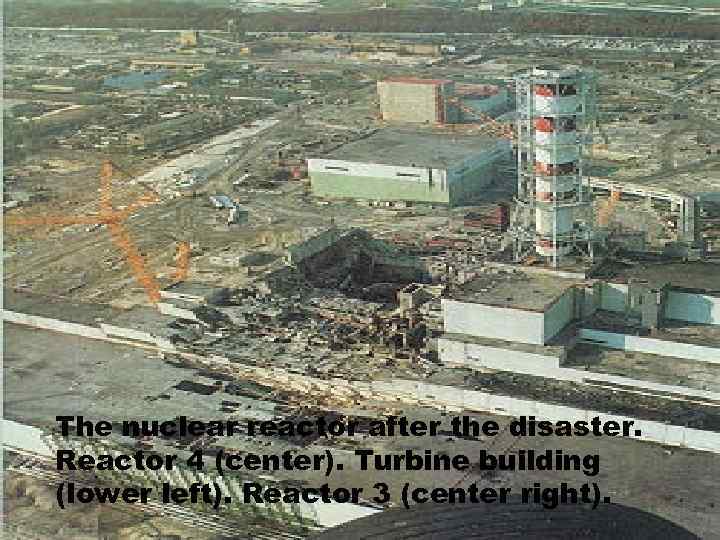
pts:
[582, 316]
[413, 166]
[423, 157]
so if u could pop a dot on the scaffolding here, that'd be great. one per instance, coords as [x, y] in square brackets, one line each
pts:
[556, 109]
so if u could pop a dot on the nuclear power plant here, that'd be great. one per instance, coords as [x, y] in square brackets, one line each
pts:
[276, 217]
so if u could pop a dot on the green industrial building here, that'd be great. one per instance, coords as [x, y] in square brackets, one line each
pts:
[411, 166]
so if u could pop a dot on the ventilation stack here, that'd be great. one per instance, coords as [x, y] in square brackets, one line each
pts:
[556, 110]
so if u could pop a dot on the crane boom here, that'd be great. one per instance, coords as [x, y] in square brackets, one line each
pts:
[182, 261]
[122, 239]
[114, 219]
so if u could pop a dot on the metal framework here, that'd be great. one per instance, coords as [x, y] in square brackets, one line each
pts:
[553, 213]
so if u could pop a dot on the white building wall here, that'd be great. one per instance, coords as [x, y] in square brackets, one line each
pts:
[172, 310]
[375, 170]
[692, 307]
[661, 347]
[613, 297]
[54, 325]
[127, 333]
[493, 322]
[559, 315]
[120, 332]
[104, 332]
[679, 305]
[475, 355]
[474, 400]
[24, 439]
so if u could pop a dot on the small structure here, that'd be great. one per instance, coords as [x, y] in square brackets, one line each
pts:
[189, 38]
[413, 296]
[196, 293]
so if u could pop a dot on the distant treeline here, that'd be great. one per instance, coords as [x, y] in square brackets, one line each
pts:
[168, 15]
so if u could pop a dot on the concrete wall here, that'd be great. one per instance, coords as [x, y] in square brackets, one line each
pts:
[651, 346]
[493, 322]
[53, 325]
[24, 439]
[411, 102]
[105, 332]
[474, 355]
[559, 315]
[120, 332]
[166, 308]
[678, 305]
[588, 300]
[348, 179]
[468, 179]
[613, 297]
[508, 324]
[692, 307]
[312, 246]
[459, 400]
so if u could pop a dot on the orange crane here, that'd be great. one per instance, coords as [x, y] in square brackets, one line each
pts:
[182, 262]
[606, 212]
[115, 221]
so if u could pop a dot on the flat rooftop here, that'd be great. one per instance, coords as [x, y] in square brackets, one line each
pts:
[64, 309]
[46, 372]
[515, 290]
[674, 331]
[414, 80]
[410, 148]
[67, 310]
[690, 275]
[655, 368]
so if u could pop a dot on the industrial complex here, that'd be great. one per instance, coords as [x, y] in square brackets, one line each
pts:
[242, 226]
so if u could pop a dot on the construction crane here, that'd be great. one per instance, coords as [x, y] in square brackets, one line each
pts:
[182, 262]
[115, 222]
[608, 209]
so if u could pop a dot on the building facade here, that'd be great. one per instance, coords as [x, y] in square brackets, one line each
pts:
[417, 101]
[411, 178]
